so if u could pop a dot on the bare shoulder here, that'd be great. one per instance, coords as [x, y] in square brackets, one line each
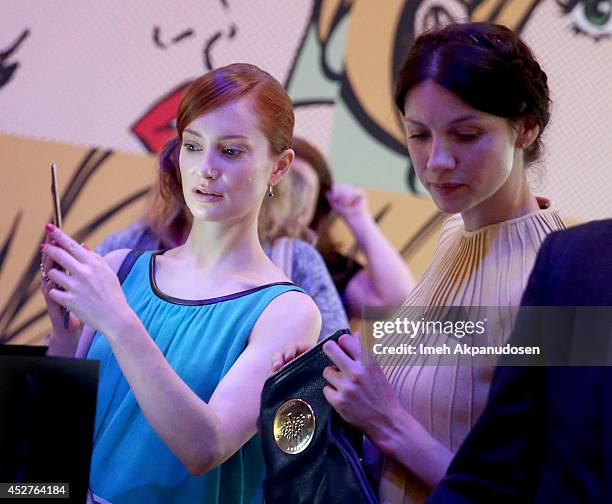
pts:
[115, 258]
[296, 304]
[292, 316]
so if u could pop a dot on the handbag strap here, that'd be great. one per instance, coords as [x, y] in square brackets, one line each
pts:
[282, 255]
[122, 273]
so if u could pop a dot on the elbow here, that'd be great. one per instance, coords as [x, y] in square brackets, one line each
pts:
[197, 466]
[207, 456]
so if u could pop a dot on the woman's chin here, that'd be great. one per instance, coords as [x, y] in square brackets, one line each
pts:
[447, 205]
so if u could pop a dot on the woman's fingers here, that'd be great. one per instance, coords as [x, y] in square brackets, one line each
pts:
[61, 279]
[351, 345]
[289, 353]
[333, 376]
[62, 258]
[67, 243]
[339, 357]
[62, 298]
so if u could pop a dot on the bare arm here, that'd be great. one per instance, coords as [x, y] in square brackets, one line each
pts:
[386, 281]
[204, 435]
[362, 395]
[201, 435]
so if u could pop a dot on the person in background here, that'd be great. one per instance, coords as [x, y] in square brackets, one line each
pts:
[166, 223]
[185, 342]
[317, 202]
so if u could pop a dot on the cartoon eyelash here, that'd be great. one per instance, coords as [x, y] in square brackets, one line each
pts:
[592, 18]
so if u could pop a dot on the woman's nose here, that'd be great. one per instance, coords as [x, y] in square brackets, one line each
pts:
[440, 158]
[207, 168]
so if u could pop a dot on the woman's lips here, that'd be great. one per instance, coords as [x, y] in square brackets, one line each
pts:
[445, 188]
[205, 195]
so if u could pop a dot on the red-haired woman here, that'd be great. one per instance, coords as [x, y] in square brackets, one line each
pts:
[186, 343]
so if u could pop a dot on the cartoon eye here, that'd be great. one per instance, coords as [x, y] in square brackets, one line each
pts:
[437, 13]
[592, 17]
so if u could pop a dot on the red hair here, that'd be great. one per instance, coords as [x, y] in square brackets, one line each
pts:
[210, 91]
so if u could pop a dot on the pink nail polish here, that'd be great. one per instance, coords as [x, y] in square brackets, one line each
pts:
[50, 228]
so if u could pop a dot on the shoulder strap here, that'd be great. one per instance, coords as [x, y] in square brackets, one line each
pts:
[124, 269]
[127, 264]
[282, 255]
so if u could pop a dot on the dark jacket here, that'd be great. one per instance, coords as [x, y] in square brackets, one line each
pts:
[545, 435]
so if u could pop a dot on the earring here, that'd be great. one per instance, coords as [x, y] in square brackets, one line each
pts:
[270, 192]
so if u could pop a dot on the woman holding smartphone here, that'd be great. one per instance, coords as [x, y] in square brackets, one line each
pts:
[185, 343]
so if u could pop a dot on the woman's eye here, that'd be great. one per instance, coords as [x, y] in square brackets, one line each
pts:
[231, 152]
[467, 137]
[192, 147]
[417, 136]
[590, 17]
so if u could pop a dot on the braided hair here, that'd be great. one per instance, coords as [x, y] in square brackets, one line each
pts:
[487, 66]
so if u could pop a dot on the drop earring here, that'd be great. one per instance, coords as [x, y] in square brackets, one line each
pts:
[270, 192]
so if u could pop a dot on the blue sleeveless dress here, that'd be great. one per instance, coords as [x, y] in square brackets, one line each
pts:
[201, 340]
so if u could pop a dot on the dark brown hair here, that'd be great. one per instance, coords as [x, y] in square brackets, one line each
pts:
[487, 66]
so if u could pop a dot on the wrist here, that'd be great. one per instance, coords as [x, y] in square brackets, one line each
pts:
[358, 220]
[62, 342]
[123, 322]
[392, 436]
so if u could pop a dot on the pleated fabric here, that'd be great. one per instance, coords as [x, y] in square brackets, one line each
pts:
[488, 267]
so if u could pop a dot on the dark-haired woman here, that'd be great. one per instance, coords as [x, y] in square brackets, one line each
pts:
[185, 343]
[475, 103]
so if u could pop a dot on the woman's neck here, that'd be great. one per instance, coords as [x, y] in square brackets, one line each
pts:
[234, 247]
[514, 199]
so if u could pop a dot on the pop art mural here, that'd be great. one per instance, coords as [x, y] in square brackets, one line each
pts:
[109, 75]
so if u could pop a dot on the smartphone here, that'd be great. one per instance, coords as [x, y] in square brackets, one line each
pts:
[57, 215]
[57, 209]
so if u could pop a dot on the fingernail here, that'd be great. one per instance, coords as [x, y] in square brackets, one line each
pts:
[85, 246]
[42, 247]
[50, 228]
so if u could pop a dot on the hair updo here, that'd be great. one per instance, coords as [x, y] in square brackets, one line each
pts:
[487, 66]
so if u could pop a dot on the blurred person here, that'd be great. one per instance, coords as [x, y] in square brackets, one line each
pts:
[185, 343]
[317, 201]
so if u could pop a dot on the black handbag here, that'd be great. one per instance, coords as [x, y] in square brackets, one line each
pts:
[312, 455]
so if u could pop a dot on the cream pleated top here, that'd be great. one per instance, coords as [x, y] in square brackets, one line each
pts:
[486, 267]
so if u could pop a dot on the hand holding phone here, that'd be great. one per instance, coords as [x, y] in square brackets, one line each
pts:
[57, 214]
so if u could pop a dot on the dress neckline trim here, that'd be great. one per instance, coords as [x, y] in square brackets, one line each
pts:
[546, 208]
[198, 302]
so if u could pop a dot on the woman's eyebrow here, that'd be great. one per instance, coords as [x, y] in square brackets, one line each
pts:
[224, 137]
[232, 136]
[193, 132]
[462, 118]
